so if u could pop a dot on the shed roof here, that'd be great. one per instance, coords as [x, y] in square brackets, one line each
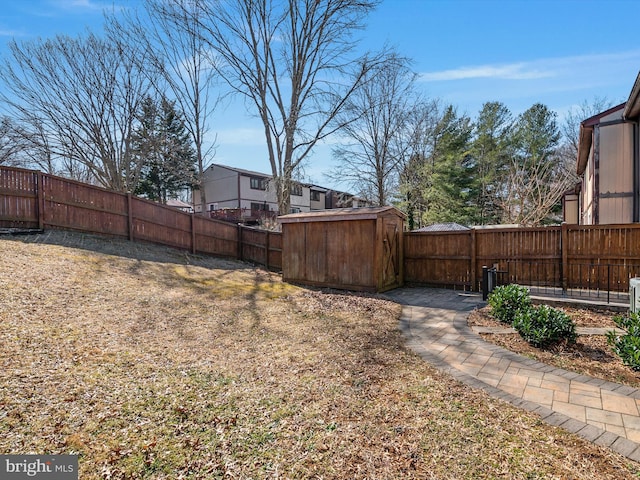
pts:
[443, 227]
[341, 214]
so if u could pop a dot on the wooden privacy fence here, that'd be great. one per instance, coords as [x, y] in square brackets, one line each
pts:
[601, 257]
[31, 199]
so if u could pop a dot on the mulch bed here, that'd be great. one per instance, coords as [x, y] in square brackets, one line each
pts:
[590, 355]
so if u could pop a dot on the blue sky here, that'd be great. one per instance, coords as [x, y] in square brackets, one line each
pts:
[467, 52]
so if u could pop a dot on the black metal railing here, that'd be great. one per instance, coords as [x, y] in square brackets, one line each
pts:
[589, 281]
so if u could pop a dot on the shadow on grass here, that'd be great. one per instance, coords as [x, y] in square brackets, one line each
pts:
[217, 276]
[142, 251]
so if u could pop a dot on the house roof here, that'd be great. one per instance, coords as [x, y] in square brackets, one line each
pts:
[340, 214]
[591, 121]
[252, 173]
[242, 171]
[632, 109]
[174, 202]
[586, 137]
[443, 227]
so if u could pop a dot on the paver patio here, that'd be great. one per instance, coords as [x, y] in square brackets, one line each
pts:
[435, 324]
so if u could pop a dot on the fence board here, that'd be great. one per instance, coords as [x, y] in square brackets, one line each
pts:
[160, 224]
[18, 198]
[77, 206]
[262, 246]
[438, 258]
[601, 257]
[215, 237]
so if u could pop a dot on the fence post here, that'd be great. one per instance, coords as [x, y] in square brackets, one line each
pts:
[239, 242]
[267, 246]
[193, 233]
[485, 282]
[564, 247]
[129, 218]
[40, 199]
[472, 267]
[608, 283]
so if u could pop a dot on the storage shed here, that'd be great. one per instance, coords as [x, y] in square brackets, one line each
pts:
[347, 248]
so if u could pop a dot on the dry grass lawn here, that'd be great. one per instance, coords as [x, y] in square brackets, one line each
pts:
[151, 363]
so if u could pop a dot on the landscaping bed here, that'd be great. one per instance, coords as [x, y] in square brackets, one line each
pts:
[590, 355]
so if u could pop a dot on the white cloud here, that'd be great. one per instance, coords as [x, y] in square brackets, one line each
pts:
[240, 136]
[80, 5]
[516, 71]
[10, 33]
[556, 82]
[560, 67]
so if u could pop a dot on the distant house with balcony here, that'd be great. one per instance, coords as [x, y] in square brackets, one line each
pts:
[609, 167]
[235, 193]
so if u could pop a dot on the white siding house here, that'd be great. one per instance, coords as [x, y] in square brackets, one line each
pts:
[252, 192]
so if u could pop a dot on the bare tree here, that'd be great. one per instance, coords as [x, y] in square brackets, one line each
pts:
[81, 96]
[177, 59]
[571, 126]
[571, 134]
[423, 137]
[293, 61]
[376, 142]
[12, 144]
[533, 191]
[538, 176]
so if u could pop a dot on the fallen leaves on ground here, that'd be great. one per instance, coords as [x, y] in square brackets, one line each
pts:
[151, 363]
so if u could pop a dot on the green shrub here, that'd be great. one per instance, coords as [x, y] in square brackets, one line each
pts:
[544, 326]
[627, 346]
[507, 300]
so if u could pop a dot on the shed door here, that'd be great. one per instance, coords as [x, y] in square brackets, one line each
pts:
[391, 256]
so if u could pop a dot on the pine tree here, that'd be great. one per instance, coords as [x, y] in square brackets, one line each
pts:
[448, 172]
[162, 141]
[492, 151]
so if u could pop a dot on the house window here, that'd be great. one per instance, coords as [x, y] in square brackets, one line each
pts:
[260, 207]
[315, 196]
[295, 210]
[296, 189]
[258, 183]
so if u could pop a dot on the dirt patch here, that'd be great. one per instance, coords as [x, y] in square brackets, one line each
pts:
[151, 363]
[590, 355]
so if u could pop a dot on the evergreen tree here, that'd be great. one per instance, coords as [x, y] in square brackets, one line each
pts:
[163, 143]
[492, 151]
[448, 172]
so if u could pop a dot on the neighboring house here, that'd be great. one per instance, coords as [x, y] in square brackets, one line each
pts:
[244, 194]
[609, 167]
[336, 199]
[317, 197]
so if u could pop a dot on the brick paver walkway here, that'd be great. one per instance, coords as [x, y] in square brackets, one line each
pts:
[435, 323]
